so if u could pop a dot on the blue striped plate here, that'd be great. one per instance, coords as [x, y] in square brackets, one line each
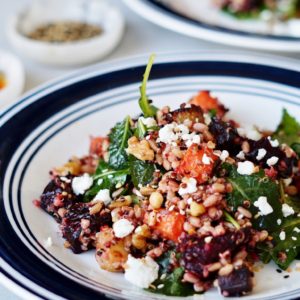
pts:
[54, 122]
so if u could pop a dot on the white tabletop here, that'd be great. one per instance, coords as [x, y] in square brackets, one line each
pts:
[141, 37]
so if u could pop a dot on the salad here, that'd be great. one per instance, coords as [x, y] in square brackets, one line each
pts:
[271, 9]
[183, 200]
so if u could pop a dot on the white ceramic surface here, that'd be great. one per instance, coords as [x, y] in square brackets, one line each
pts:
[39, 12]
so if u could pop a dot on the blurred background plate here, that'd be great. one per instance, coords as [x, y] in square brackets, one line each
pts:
[200, 19]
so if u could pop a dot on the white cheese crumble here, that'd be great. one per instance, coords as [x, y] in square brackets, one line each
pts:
[81, 184]
[296, 229]
[207, 118]
[141, 271]
[279, 221]
[191, 186]
[241, 155]
[48, 242]
[104, 196]
[167, 135]
[274, 143]
[263, 205]
[205, 159]
[250, 133]
[224, 155]
[191, 138]
[208, 239]
[294, 238]
[261, 154]
[287, 210]
[272, 161]
[246, 168]
[287, 181]
[282, 235]
[122, 228]
[149, 122]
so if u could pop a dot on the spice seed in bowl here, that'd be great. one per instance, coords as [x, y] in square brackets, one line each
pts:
[67, 31]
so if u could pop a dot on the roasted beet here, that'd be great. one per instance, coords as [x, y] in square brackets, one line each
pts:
[226, 136]
[79, 227]
[237, 283]
[284, 167]
[196, 252]
[58, 194]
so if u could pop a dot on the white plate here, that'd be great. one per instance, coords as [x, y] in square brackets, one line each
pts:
[255, 88]
[200, 20]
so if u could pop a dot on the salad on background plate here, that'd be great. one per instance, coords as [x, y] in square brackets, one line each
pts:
[183, 200]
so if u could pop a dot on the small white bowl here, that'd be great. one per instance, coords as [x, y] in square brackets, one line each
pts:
[13, 71]
[39, 13]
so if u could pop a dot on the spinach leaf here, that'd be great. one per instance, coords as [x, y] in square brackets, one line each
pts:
[140, 130]
[105, 178]
[141, 171]
[293, 201]
[145, 105]
[288, 131]
[171, 284]
[286, 250]
[251, 187]
[118, 138]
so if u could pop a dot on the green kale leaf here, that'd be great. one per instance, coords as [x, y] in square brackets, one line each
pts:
[105, 178]
[171, 283]
[251, 187]
[288, 131]
[145, 104]
[118, 137]
[141, 171]
[286, 249]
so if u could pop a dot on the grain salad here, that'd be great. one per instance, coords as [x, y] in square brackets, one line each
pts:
[184, 200]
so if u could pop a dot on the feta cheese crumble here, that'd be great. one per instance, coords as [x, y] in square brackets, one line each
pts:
[167, 135]
[224, 155]
[282, 235]
[261, 154]
[274, 143]
[141, 271]
[287, 210]
[246, 168]
[279, 221]
[241, 155]
[191, 186]
[294, 238]
[104, 196]
[263, 205]
[205, 159]
[81, 184]
[272, 161]
[149, 122]
[250, 133]
[296, 229]
[122, 228]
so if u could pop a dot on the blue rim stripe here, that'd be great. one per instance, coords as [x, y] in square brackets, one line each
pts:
[166, 10]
